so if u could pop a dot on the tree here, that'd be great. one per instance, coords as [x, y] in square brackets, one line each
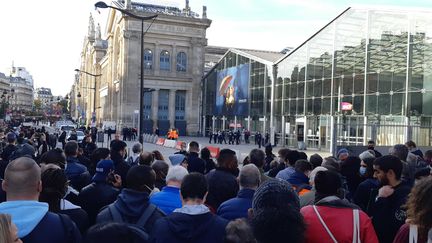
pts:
[37, 104]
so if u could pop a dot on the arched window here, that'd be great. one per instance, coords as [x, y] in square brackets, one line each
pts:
[165, 61]
[181, 62]
[148, 59]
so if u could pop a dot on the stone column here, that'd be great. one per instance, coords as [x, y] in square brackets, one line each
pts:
[155, 107]
[173, 59]
[171, 107]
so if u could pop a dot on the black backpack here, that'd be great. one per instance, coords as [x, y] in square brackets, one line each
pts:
[139, 227]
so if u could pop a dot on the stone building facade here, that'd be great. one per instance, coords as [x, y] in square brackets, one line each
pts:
[174, 54]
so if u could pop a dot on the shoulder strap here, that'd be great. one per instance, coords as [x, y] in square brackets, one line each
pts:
[146, 215]
[116, 216]
[413, 233]
[324, 224]
[356, 223]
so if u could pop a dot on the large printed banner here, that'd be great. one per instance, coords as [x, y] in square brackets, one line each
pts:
[232, 91]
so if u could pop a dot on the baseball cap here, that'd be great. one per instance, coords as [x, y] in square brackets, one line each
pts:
[103, 168]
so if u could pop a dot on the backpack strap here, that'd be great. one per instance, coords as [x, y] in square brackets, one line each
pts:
[116, 216]
[413, 233]
[324, 224]
[146, 215]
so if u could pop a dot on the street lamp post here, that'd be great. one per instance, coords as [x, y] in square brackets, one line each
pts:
[142, 18]
[94, 89]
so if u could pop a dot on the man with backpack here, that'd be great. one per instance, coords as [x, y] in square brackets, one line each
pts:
[132, 205]
[134, 158]
[35, 223]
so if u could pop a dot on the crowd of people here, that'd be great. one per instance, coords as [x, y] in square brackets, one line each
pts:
[83, 193]
[237, 136]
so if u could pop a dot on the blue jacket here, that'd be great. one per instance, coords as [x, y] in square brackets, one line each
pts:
[298, 179]
[36, 224]
[167, 200]
[237, 207]
[285, 173]
[77, 173]
[188, 225]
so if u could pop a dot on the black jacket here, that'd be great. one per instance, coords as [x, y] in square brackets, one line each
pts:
[7, 151]
[195, 163]
[222, 186]
[388, 215]
[120, 165]
[79, 217]
[96, 196]
[131, 205]
[365, 194]
[184, 228]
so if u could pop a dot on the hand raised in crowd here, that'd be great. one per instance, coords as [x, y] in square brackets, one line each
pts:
[385, 191]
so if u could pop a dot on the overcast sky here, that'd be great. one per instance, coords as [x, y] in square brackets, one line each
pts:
[46, 36]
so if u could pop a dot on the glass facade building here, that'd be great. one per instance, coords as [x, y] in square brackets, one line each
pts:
[365, 76]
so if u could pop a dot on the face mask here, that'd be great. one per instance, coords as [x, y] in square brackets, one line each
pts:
[362, 171]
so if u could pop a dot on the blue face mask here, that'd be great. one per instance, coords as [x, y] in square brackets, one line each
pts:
[362, 171]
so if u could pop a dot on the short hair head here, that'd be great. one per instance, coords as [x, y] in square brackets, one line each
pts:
[112, 232]
[283, 152]
[292, 157]
[22, 178]
[118, 146]
[316, 160]
[410, 144]
[257, 157]
[137, 148]
[205, 153]
[250, 176]
[227, 159]
[400, 151]
[303, 166]
[141, 178]
[176, 173]
[55, 156]
[327, 183]
[71, 148]
[161, 168]
[194, 186]
[99, 154]
[146, 158]
[194, 146]
[390, 162]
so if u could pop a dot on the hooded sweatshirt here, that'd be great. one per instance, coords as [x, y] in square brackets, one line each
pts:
[25, 214]
[131, 205]
[190, 224]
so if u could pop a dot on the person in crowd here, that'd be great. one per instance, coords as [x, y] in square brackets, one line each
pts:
[209, 163]
[371, 146]
[146, 158]
[269, 157]
[222, 181]
[62, 139]
[331, 164]
[422, 174]
[76, 173]
[102, 191]
[89, 146]
[302, 155]
[258, 139]
[275, 213]
[195, 163]
[23, 149]
[98, 155]
[158, 155]
[246, 161]
[331, 219]
[132, 205]
[73, 136]
[134, 158]
[183, 147]
[316, 160]
[282, 154]
[308, 198]
[193, 222]
[299, 179]
[412, 148]
[428, 157]
[10, 147]
[257, 157]
[115, 140]
[234, 208]
[367, 190]
[169, 198]
[401, 151]
[112, 232]
[291, 158]
[368, 154]
[239, 231]
[54, 188]
[160, 167]
[35, 223]
[8, 230]
[342, 155]
[82, 158]
[349, 169]
[55, 156]
[419, 211]
[42, 146]
[388, 213]
[118, 152]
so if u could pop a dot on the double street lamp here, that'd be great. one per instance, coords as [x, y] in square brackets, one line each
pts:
[142, 18]
[94, 91]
